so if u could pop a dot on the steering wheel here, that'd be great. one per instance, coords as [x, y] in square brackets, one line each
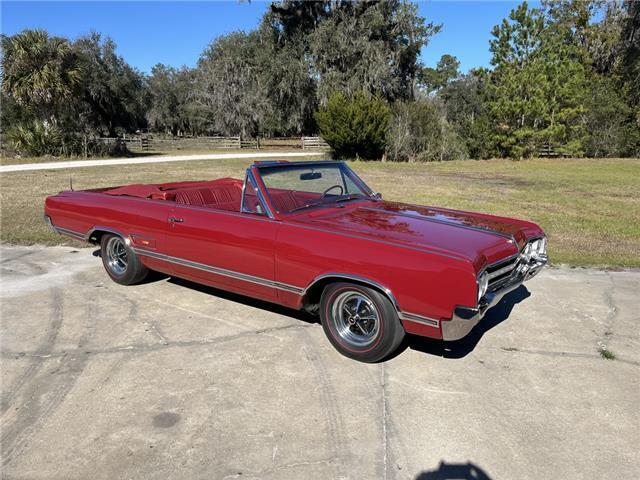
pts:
[324, 194]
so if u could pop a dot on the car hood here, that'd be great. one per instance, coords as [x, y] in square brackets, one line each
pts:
[476, 237]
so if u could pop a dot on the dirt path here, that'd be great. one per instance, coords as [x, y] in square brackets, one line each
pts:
[160, 159]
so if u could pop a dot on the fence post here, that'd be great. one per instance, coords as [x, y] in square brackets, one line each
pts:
[302, 140]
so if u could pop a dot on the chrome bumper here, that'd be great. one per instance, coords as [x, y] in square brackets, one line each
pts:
[48, 223]
[465, 318]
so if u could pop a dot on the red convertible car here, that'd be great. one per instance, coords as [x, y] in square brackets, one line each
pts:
[313, 236]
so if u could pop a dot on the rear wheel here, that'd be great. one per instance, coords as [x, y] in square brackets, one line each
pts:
[360, 322]
[120, 261]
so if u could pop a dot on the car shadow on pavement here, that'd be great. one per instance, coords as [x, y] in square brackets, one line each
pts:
[458, 349]
[251, 302]
[457, 471]
[461, 348]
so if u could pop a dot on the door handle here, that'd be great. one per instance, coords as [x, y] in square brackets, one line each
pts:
[175, 220]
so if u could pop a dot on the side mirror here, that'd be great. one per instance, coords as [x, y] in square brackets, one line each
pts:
[376, 195]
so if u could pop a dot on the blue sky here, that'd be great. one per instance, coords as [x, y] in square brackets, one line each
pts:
[175, 33]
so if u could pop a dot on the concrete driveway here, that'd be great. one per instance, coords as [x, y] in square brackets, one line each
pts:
[171, 380]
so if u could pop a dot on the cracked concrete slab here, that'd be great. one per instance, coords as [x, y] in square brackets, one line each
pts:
[171, 380]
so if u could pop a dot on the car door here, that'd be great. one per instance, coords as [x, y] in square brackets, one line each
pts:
[226, 249]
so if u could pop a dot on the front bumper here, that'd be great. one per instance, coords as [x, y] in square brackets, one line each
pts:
[465, 318]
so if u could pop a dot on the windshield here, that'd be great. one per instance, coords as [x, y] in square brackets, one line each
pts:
[297, 187]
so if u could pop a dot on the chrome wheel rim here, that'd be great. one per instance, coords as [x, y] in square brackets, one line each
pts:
[356, 319]
[116, 256]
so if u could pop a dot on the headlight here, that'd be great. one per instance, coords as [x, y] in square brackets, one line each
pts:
[541, 250]
[483, 284]
[536, 250]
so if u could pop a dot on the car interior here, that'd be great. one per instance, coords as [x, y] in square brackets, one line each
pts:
[221, 194]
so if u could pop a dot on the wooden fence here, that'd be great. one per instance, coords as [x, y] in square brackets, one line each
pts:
[549, 151]
[314, 142]
[154, 142]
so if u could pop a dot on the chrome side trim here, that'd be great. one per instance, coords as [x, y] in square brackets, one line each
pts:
[412, 317]
[70, 233]
[64, 231]
[85, 237]
[220, 271]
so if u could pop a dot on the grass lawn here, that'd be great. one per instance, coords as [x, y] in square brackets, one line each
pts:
[189, 146]
[590, 209]
[133, 154]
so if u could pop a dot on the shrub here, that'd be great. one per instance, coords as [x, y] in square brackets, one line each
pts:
[36, 138]
[355, 127]
[43, 138]
[420, 132]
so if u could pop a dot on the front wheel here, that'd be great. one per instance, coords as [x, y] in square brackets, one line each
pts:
[120, 261]
[360, 322]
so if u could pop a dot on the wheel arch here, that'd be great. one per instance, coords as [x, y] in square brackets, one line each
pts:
[95, 234]
[311, 295]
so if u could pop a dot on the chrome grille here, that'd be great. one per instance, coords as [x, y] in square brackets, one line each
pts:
[500, 272]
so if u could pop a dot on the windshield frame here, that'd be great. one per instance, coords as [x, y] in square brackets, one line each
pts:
[345, 170]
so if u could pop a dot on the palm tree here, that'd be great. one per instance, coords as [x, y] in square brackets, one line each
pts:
[39, 72]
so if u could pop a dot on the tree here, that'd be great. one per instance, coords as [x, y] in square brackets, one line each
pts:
[369, 46]
[283, 59]
[172, 109]
[538, 86]
[629, 70]
[606, 47]
[420, 131]
[356, 126]
[466, 102]
[40, 72]
[606, 118]
[113, 94]
[11, 113]
[228, 88]
[61, 93]
[433, 79]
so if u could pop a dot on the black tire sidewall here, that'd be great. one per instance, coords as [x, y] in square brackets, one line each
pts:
[390, 333]
[135, 271]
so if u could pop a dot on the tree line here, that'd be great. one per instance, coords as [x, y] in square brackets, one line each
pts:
[564, 79]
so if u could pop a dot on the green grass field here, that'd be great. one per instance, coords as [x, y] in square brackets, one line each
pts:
[589, 208]
[132, 154]
[187, 146]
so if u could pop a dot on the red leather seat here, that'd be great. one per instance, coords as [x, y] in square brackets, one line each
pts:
[287, 200]
[284, 201]
[225, 197]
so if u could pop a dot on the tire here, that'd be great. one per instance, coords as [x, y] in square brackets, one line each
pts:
[120, 261]
[360, 322]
